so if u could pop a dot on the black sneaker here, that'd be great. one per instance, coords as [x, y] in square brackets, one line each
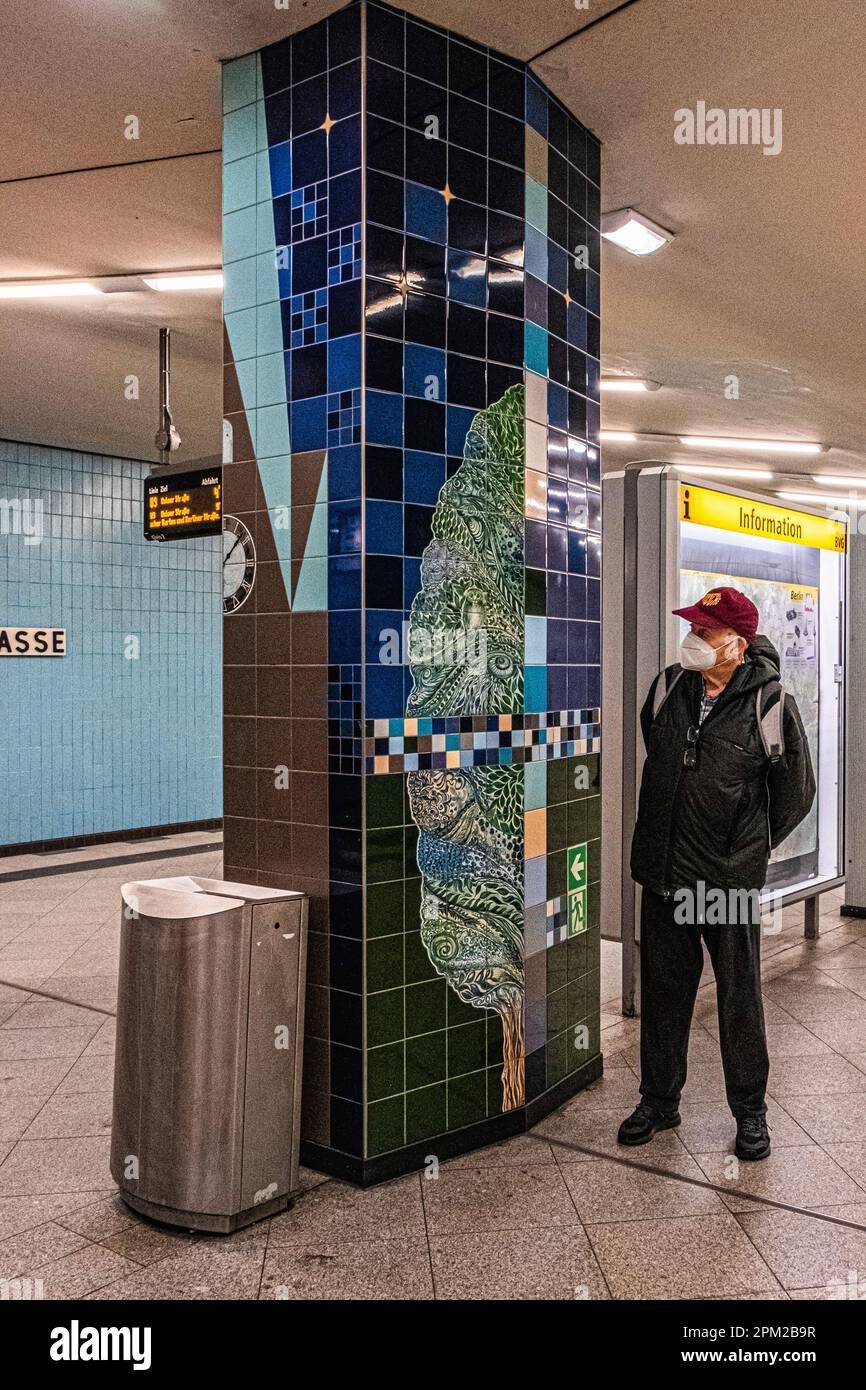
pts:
[753, 1139]
[644, 1122]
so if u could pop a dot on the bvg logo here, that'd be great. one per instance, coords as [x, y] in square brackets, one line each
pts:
[711, 599]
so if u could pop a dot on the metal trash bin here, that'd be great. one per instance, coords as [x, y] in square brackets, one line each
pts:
[210, 1023]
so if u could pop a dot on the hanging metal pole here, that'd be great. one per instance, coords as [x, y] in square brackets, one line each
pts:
[167, 437]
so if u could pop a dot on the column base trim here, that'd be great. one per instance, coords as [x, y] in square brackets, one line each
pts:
[367, 1172]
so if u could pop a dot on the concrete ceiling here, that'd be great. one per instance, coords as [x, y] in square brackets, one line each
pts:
[763, 278]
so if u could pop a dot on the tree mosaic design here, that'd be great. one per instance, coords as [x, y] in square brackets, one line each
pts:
[465, 650]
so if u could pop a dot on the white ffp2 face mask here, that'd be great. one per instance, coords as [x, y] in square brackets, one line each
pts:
[698, 655]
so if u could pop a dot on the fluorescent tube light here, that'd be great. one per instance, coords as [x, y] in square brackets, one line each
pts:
[749, 446]
[839, 480]
[617, 437]
[49, 289]
[628, 385]
[721, 470]
[190, 280]
[820, 499]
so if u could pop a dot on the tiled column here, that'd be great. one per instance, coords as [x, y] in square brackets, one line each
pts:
[412, 685]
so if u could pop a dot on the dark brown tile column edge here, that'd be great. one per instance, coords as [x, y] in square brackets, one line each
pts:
[368, 1172]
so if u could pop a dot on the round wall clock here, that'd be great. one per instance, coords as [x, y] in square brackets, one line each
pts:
[239, 564]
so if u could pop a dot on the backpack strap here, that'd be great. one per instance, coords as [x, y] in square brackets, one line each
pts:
[770, 711]
[663, 688]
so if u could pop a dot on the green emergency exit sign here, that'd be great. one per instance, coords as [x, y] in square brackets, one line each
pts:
[577, 867]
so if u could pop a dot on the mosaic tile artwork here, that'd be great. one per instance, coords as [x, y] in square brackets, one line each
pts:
[412, 341]
[469, 614]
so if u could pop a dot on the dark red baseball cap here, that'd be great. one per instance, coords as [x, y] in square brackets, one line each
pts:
[723, 608]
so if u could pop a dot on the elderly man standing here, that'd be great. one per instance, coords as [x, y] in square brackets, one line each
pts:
[727, 777]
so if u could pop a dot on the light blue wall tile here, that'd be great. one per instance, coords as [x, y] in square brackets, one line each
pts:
[125, 730]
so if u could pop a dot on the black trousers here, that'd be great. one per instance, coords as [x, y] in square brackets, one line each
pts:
[672, 958]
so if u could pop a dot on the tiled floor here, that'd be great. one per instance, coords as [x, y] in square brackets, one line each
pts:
[561, 1212]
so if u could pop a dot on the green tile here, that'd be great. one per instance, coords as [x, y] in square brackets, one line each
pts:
[384, 800]
[557, 1013]
[467, 1048]
[425, 1007]
[557, 780]
[384, 963]
[386, 1125]
[386, 1071]
[577, 955]
[559, 1064]
[557, 966]
[593, 817]
[576, 991]
[494, 1090]
[384, 855]
[494, 1039]
[467, 1099]
[412, 903]
[410, 851]
[576, 822]
[557, 870]
[418, 964]
[557, 828]
[425, 1060]
[593, 906]
[460, 1012]
[426, 1112]
[385, 1017]
[384, 908]
[594, 861]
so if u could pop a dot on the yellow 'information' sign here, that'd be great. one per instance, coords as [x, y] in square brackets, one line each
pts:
[766, 520]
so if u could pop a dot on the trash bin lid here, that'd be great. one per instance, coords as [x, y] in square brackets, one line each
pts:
[151, 899]
[250, 892]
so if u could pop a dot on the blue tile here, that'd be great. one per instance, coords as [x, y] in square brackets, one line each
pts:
[535, 689]
[458, 424]
[383, 691]
[424, 477]
[344, 363]
[384, 418]
[467, 278]
[344, 472]
[344, 638]
[426, 213]
[384, 534]
[536, 106]
[535, 348]
[280, 159]
[424, 369]
[309, 424]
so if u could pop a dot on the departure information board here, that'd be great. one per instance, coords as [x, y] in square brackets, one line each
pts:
[178, 506]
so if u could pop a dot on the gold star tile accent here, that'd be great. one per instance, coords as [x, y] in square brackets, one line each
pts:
[447, 194]
[403, 286]
[327, 124]
[567, 297]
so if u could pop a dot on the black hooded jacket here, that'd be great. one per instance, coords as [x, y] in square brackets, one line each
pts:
[716, 822]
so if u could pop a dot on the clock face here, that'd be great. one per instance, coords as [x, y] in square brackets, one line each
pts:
[239, 564]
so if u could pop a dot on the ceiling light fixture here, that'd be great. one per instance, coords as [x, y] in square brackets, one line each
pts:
[634, 232]
[189, 280]
[721, 470]
[839, 480]
[49, 289]
[822, 499]
[617, 437]
[628, 384]
[749, 446]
